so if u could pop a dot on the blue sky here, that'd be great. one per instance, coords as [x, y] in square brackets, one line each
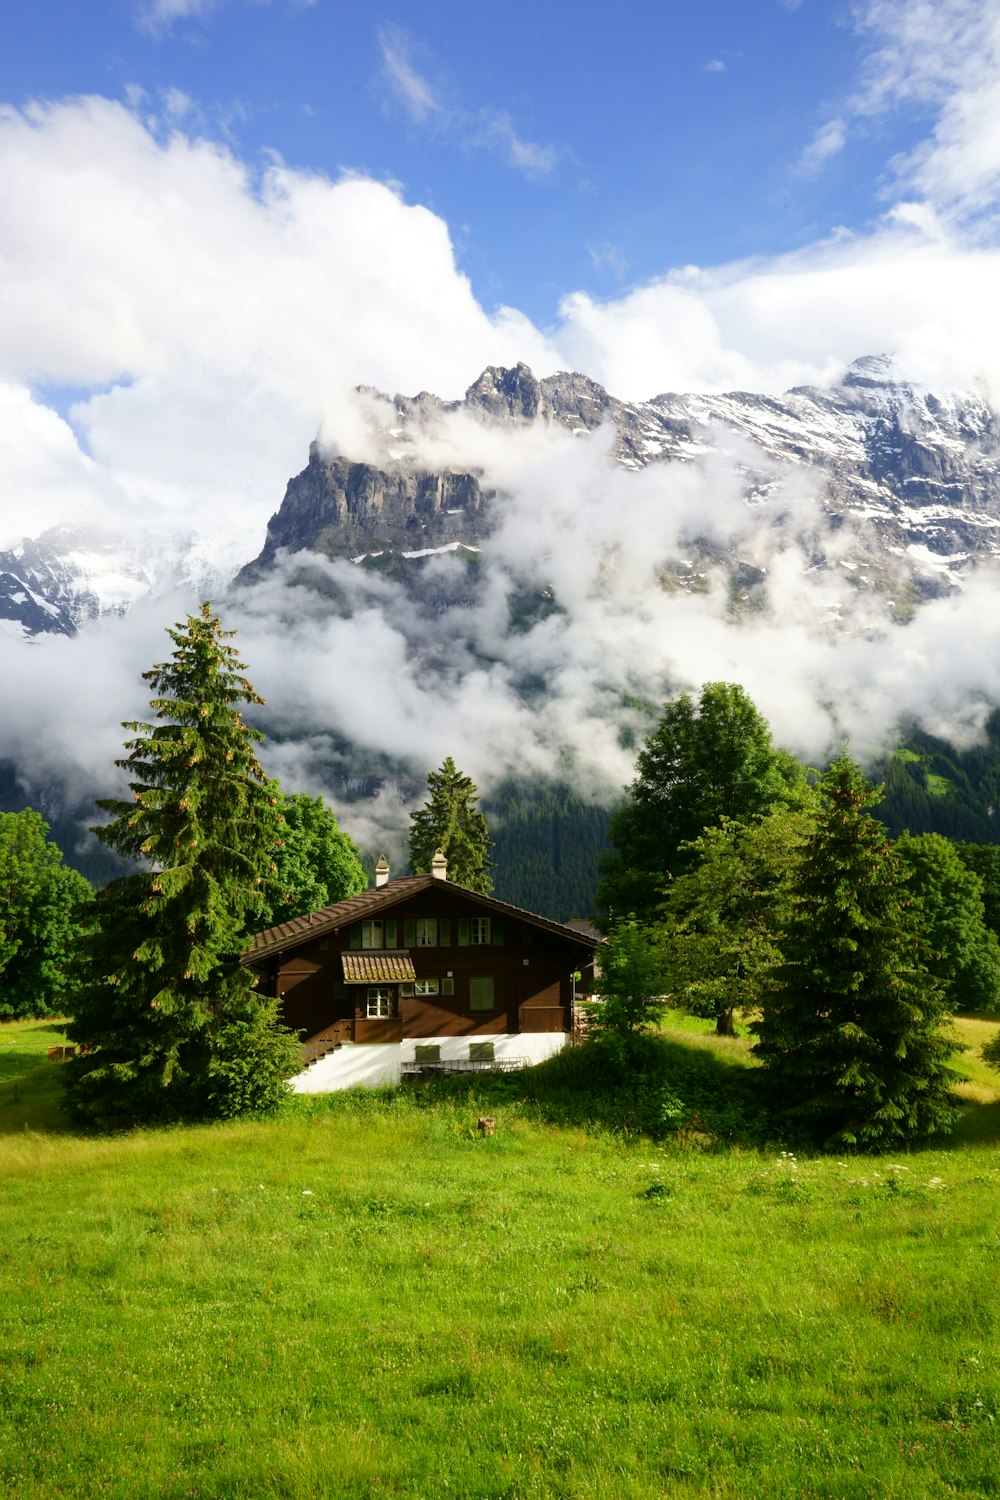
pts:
[566, 146]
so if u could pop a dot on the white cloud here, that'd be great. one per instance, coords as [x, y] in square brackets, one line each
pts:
[413, 91]
[495, 129]
[158, 16]
[714, 65]
[939, 60]
[828, 141]
[215, 312]
[484, 129]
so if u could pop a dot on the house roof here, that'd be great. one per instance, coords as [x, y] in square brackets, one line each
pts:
[377, 968]
[317, 924]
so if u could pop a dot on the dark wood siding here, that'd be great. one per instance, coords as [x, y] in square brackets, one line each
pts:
[530, 969]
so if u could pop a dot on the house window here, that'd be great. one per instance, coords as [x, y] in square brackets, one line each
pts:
[374, 933]
[380, 1002]
[481, 993]
[421, 987]
[479, 931]
[481, 1052]
[429, 1052]
[427, 932]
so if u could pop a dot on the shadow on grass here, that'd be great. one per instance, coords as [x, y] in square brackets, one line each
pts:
[644, 1085]
[31, 1091]
[978, 1125]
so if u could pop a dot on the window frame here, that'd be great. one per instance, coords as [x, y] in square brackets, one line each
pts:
[383, 998]
[482, 992]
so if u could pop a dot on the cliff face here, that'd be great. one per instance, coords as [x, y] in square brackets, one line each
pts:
[347, 509]
[917, 474]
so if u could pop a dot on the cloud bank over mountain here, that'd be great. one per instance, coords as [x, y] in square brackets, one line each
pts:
[177, 324]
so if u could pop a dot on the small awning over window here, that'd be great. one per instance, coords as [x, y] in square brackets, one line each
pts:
[377, 968]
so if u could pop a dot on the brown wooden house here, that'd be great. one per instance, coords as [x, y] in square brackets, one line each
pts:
[420, 972]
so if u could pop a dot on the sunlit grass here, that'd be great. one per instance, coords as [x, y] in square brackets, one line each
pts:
[367, 1298]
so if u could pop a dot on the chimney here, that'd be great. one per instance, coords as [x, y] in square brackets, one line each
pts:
[439, 866]
[381, 872]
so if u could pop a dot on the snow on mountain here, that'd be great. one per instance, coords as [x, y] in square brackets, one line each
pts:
[912, 476]
[72, 573]
[916, 474]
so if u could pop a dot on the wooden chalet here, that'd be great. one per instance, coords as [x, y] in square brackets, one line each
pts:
[421, 973]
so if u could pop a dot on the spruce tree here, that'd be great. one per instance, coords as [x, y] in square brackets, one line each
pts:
[169, 1022]
[452, 822]
[851, 1033]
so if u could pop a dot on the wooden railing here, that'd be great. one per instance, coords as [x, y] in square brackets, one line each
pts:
[325, 1041]
[466, 1065]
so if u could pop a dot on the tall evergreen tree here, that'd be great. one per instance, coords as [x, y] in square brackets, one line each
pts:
[851, 1033]
[703, 762]
[169, 1021]
[452, 822]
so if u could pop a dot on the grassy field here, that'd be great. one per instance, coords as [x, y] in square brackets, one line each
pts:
[366, 1298]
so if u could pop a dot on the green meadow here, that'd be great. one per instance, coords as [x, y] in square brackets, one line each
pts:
[365, 1297]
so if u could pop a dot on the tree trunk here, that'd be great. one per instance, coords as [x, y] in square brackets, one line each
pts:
[724, 1024]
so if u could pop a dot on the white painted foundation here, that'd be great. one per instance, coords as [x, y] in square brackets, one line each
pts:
[536, 1046]
[374, 1066]
[379, 1065]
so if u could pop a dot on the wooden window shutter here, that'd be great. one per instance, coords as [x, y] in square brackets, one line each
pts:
[463, 932]
[497, 933]
[444, 932]
[447, 986]
[409, 933]
[355, 934]
[390, 932]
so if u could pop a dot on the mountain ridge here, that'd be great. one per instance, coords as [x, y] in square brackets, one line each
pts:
[914, 474]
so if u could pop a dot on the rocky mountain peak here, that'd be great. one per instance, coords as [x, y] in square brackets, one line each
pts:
[871, 370]
[506, 395]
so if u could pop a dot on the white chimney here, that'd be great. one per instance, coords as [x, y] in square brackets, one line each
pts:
[381, 872]
[439, 866]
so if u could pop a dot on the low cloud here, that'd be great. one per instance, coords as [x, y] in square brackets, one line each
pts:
[177, 325]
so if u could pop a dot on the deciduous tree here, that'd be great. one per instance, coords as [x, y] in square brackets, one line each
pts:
[630, 980]
[702, 763]
[316, 863]
[42, 906]
[170, 1022]
[963, 953]
[723, 917]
